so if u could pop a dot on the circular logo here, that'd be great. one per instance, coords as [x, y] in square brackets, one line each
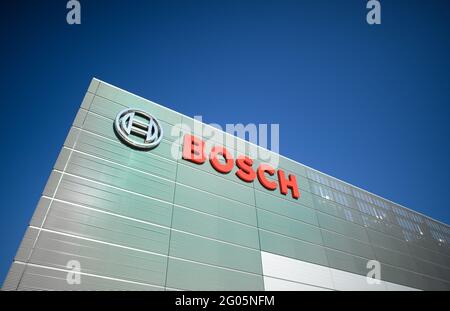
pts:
[138, 129]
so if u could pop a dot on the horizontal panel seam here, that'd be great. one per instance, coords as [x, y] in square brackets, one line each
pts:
[118, 164]
[297, 282]
[148, 252]
[87, 274]
[152, 224]
[118, 143]
[150, 102]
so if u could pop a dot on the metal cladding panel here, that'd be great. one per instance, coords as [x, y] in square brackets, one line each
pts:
[113, 217]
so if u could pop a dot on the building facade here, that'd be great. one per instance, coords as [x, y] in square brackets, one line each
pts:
[116, 217]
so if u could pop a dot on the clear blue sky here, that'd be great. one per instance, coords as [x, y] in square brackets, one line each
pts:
[367, 104]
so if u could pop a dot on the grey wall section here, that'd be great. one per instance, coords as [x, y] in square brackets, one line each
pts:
[147, 221]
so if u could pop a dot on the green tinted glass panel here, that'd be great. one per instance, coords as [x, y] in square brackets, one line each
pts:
[215, 253]
[215, 205]
[293, 248]
[193, 276]
[213, 227]
[289, 227]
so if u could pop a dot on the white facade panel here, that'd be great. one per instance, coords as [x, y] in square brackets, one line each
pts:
[286, 274]
[296, 270]
[273, 284]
